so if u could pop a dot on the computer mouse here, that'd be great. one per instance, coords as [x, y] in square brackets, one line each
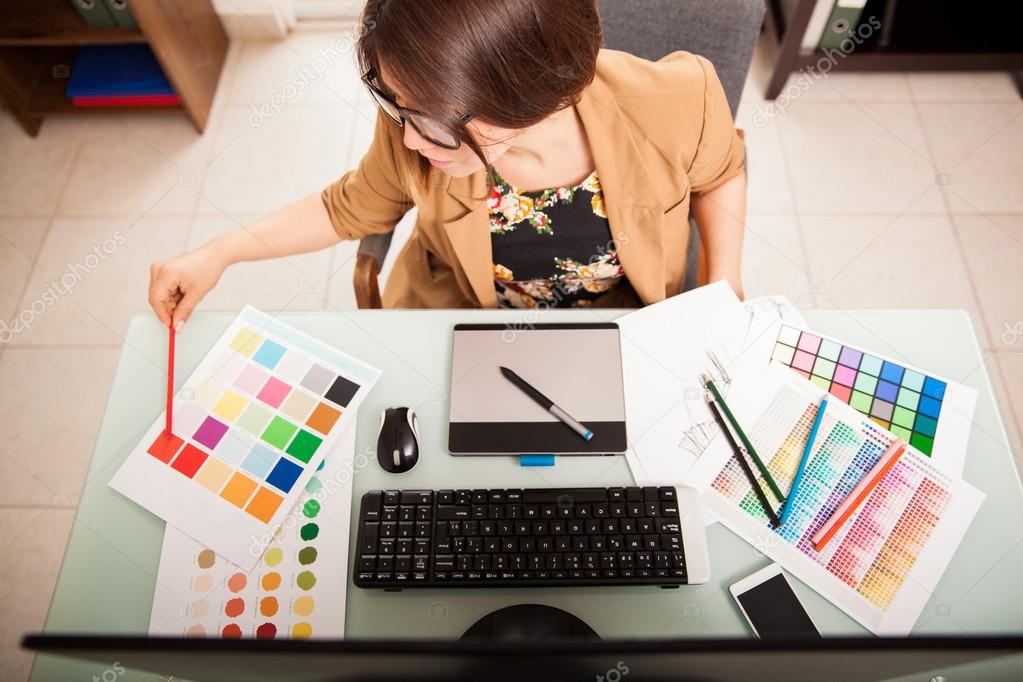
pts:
[398, 442]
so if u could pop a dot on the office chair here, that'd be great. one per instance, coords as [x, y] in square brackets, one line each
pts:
[723, 31]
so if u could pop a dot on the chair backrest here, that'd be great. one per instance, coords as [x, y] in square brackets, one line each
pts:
[723, 31]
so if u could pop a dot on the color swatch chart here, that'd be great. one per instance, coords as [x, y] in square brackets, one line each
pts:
[250, 425]
[884, 562]
[911, 404]
[297, 590]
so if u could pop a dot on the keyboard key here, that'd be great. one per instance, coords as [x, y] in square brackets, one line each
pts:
[452, 513]
[368, 563]
[417, 497]
[402, 562]
[368, 538]
[371, 503]
[667, 493]
[391, 496]
[446, 497]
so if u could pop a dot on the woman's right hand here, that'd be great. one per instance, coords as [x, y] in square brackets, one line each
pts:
[177, 285]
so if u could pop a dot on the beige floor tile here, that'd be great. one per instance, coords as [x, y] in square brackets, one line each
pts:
[976, 85]
[33, 542]
[886, 262]
[33, 170]
[994, 254]
[20, 240]
[977, 147]
[773, 261]
[1009, 390]
[51, 413]
[94, 276]
[137, 163]
[309, 66]
[828, 85]
[259, 169]
[858, 157]
[294, 283]
[768, 188]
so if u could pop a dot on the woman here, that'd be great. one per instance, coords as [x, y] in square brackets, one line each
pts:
[545, 170]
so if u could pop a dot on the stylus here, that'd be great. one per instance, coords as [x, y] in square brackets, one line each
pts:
[547, 403]
[170, 382]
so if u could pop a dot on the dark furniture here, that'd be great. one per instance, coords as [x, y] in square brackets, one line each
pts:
[915, 35]
[723, 31]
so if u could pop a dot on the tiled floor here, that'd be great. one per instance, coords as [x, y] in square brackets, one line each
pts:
[856, 168]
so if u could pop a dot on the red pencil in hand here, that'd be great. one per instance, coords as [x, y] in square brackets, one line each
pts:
[170, 382]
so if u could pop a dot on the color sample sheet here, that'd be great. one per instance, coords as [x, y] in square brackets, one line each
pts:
[930, 413]
[883, 564]
[251, 424]
[298, 588]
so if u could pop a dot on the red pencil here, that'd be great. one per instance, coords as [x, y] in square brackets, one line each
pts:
[170, 382]
[858, 494]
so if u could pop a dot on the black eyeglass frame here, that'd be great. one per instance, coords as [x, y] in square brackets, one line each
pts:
[410, 114]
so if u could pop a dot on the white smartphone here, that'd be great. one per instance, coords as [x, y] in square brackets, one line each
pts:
[771, 607]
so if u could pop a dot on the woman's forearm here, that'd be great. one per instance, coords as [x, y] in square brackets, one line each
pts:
[301, 227]
[721, 219]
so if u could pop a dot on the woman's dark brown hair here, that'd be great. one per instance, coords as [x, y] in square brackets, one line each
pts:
[509, 63]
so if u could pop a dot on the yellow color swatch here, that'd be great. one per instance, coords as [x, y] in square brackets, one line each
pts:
[246, 341]
[303, 606]
[208, 392]
[301, 630]
[230, 405]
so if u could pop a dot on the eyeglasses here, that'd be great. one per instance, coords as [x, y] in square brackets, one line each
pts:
[430, 129]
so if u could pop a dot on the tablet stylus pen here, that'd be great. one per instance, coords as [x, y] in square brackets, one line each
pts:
[547, 403]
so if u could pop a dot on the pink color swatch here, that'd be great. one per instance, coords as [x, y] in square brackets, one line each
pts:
[274, 392]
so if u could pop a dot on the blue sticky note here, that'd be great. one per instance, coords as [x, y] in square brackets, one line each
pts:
[536, 460]
[284, 475]
[269, 354]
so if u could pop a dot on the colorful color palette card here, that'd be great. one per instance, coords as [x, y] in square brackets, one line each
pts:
[932, 414]
[251, 424]
[296, 591]
[884, 562]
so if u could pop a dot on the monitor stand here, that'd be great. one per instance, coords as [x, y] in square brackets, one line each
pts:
[526, 622]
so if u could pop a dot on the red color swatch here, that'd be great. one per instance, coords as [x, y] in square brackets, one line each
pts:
[165, 446]
[266, 631]
[231, 631]
[189, 461]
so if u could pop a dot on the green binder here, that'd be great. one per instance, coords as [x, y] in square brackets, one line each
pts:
[845, 17]
[122, 15]
[94, 12]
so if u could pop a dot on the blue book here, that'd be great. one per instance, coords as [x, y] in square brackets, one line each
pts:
[117, 71]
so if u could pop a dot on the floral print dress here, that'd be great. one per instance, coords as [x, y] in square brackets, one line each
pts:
[552, 248]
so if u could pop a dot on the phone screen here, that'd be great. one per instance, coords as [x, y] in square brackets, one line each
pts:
[775, 611]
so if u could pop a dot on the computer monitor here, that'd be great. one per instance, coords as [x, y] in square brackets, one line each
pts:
[706, 660]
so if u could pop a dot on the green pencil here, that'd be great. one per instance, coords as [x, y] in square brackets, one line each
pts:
[742, 436]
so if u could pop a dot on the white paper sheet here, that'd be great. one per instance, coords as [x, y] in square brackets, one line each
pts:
[664, 352]
[271, 408]
[298, 588]
[886, 560]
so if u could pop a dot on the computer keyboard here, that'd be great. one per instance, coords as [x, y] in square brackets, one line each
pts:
[533, 537]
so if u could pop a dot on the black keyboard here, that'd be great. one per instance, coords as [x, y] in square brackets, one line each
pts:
[533, 537]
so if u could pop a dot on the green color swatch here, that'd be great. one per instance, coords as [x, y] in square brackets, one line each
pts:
[304, 446]
[311, 509]
[305, 580]
[279, 432]
[307, 555]
[309, 531]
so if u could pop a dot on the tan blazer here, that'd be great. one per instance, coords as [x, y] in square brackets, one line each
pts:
[658, 132]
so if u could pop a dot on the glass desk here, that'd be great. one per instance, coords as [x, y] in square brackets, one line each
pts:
[107, 580]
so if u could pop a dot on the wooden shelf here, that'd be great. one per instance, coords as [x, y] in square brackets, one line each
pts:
[790, 57]
[39, 40]
[55, 22]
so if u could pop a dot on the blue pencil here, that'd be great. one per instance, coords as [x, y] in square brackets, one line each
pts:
[787, 507]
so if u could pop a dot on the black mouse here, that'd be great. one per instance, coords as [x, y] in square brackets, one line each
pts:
[398, 442]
